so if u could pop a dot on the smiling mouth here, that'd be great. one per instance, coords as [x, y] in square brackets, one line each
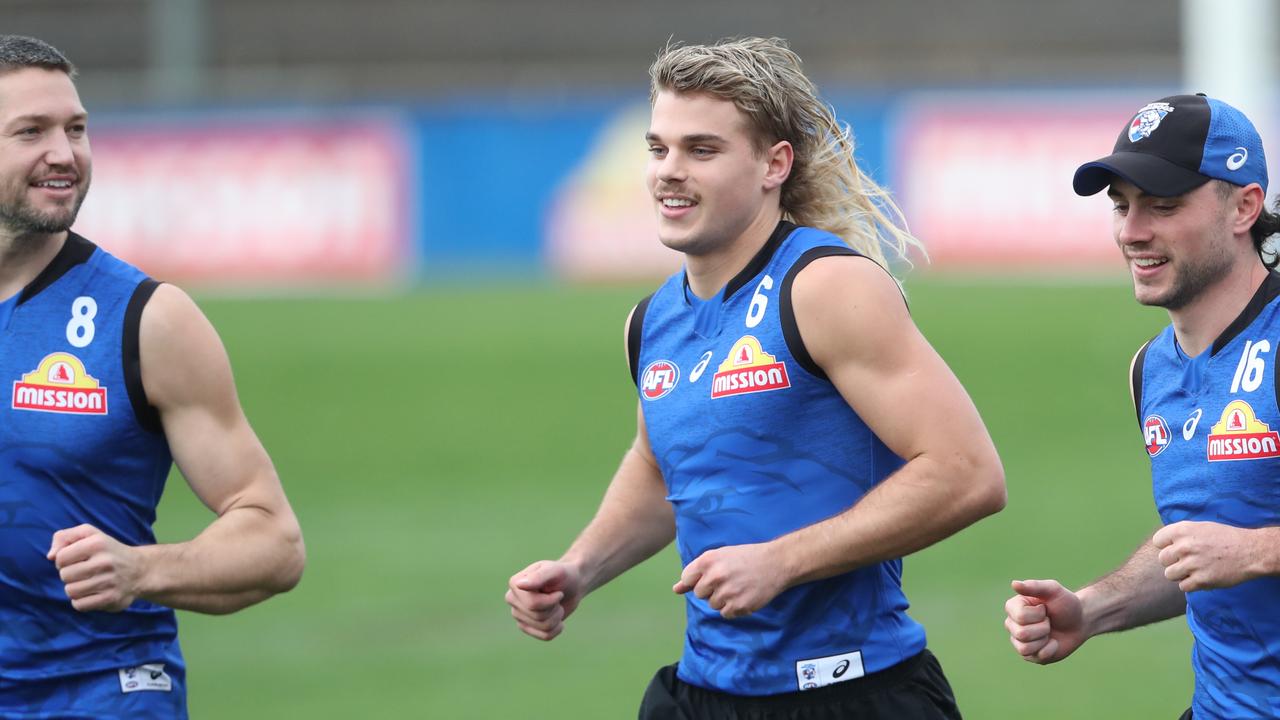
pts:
[54, 184]
[1149, 262]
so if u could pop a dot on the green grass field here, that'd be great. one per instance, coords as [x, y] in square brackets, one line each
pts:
[434, 443]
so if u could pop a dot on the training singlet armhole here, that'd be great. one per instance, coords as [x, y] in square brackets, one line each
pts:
[131, 357]
[635, 330]
[787, 312]
[1135, 379]
[1275, 371]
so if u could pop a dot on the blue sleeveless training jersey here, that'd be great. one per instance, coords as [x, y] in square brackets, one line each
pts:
[1210, 426]
[754, 442]
[78, 444]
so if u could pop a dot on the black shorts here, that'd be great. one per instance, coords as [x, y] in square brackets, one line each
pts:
[914, 689]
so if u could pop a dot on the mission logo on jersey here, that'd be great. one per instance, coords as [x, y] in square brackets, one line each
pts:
[1239, 435]
[60, 385]
[748, 369]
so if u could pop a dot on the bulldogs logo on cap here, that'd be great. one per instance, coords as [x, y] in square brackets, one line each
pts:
[1147, 120]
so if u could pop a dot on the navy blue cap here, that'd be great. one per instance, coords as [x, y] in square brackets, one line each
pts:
[1178, 143]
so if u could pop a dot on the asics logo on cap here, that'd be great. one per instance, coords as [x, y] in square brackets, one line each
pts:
[1237, 160]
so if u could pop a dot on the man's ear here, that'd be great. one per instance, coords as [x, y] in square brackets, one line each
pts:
[1249, 203]
[779, 158]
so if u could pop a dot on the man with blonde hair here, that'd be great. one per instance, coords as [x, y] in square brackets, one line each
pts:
[796, 434]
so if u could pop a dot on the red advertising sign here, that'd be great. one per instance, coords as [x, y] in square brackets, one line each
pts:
[275, 201]
[986, 180]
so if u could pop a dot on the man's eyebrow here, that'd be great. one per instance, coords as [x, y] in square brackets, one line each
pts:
[694, 139]
[703, 138]
[43, 118]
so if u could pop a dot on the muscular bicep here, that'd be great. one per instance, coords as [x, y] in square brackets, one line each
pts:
[187, 378]
[641, 445]
[855, 325]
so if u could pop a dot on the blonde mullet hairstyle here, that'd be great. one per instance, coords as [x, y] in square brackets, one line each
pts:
[826, 189]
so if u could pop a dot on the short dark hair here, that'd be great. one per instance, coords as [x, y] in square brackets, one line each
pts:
[19, 51]
[1267, 225]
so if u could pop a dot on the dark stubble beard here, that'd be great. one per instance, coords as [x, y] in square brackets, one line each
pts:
[20, 218]
[1194, 279]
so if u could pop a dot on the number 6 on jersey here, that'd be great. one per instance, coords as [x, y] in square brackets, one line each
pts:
[759, 302]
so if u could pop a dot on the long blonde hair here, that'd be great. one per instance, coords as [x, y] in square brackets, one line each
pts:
[826, 189]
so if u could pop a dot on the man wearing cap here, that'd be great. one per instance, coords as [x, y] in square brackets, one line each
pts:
[1188, 181]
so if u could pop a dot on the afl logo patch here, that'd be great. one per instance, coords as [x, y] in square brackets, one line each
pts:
[659, 379]
[1156, 433]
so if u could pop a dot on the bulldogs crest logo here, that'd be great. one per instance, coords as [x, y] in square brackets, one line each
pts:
[1147, 120]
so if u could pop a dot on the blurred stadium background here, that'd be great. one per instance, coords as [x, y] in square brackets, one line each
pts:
[420, 225]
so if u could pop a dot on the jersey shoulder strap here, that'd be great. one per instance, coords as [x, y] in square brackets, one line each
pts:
[1135, 378]
[635, 329]
[787, 312]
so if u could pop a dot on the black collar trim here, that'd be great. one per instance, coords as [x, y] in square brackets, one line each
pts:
[75, 250]
[1267, 291]
[761, 259]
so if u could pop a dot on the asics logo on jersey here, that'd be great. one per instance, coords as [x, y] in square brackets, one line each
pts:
[1189, 427]
[149, 677]
[702, 365]
[820, 672]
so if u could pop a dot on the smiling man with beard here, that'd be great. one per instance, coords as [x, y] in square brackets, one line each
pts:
[108, 378]
[1187, 178]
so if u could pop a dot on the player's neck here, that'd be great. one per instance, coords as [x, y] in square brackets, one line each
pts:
[22, 257]
[1201, 321]
[709, 272]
